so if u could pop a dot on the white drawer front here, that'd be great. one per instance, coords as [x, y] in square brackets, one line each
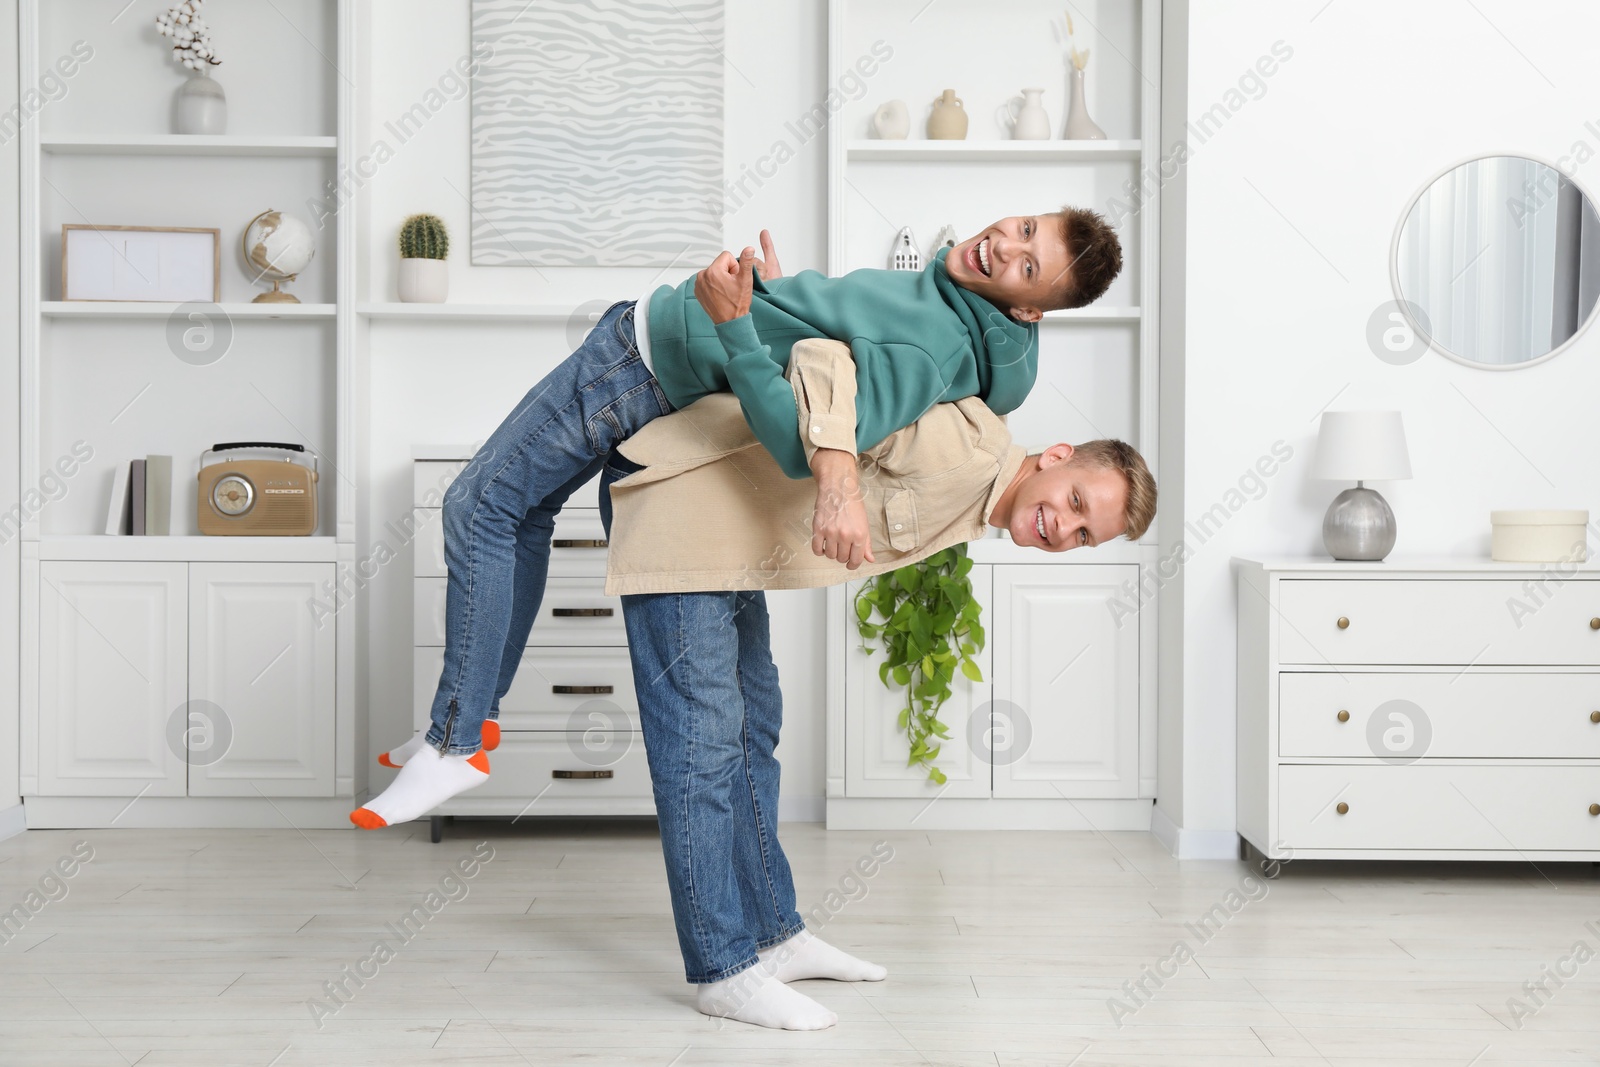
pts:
[431, 477]
[1403, 717]
[566, 766]
[578, 547]
[1432, 806]
[574, 612]
[555, 689]
[1445, 621]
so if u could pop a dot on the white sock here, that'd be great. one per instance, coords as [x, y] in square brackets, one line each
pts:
[397, 757]
[754, 996]
[805, 955]
[426, 781]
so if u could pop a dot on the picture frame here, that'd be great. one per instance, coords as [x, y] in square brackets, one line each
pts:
[159, 264]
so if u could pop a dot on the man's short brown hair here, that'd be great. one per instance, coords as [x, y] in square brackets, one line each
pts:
[1095, 255]
[1122, 457]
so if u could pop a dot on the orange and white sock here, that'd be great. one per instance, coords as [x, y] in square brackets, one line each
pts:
[426, 781]
[396, 757]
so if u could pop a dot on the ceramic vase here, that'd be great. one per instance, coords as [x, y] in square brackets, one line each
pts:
[948, 122]
[1080, 127]
[891, 122]
[201, 106]
[1024, 117]
[424, 281]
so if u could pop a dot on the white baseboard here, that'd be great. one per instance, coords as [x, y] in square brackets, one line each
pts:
[1186, 844]
[971, 813]
[13, 821]
[802, 809]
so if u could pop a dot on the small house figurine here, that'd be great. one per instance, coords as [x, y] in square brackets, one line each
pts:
[946, 238]
[905, 255]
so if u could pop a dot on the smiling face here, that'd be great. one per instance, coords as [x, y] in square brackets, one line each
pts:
[1020, 264]
[1056, 505]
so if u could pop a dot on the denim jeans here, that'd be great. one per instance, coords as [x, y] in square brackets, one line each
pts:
[710, 708]
[500, 511]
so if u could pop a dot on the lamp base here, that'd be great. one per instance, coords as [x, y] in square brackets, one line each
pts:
[1359, 526]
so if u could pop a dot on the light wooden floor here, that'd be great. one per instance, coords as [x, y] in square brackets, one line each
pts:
[203, 948]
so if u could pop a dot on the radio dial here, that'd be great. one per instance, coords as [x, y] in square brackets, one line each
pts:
[233, 495]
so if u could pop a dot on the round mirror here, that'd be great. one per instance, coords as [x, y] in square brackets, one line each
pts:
[1497, 261]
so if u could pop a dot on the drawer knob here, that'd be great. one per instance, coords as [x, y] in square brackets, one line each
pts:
[582, 690]
[581, 613]
[1344, 716]
[577, 542]
[1594, 716]
[1344, 623]
[1594, 624]
[1342, 807]
[1594, 809]
[581, 774]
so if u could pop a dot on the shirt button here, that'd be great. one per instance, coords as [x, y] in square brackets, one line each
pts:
[899, 526]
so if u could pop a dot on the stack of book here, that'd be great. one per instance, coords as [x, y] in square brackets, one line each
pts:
[141, 498]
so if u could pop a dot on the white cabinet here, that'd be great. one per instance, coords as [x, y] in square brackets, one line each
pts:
[175, 679]
[113, 664]
[1427, 710]
[1066, 684]
[1056, 716]
[260, 681]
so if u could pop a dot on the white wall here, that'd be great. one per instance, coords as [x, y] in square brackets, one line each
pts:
[10, 441]
[454, 384]
[1292, 205]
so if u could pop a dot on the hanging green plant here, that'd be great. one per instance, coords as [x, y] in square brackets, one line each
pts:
[927, 619]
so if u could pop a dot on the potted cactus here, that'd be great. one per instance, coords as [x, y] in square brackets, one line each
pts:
[424, 244]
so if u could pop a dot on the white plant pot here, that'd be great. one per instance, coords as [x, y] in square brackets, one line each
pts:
[424, 281]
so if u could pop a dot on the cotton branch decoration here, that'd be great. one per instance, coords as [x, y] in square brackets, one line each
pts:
[190, 35]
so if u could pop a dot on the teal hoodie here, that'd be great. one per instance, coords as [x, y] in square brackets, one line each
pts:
[918, 339]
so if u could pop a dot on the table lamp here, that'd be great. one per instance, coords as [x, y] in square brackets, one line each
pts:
[1360, 446]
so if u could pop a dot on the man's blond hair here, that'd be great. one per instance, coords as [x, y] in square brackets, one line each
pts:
[1111, 454]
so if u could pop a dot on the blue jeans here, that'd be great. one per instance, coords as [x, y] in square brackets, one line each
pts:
[500, 511]
[710, 708]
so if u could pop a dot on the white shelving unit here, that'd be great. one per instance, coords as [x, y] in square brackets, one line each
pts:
[124, 637]
[1093, 757]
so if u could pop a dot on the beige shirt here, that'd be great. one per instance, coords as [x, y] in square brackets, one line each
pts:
[712, 509]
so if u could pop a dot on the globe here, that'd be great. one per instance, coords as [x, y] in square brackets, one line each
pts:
[277, 246]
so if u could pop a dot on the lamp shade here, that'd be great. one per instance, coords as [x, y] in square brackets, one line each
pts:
[1361, 446]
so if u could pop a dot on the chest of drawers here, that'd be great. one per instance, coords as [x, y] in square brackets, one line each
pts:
[570, 741]
[1425, 710]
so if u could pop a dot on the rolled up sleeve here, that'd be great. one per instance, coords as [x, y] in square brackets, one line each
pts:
[823, 374]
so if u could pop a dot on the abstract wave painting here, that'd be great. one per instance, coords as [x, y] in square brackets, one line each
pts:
[597, 133]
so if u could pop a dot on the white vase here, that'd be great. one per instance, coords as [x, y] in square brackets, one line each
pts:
[201, 106]
[1080, 127]
[424, 281]
[1024, 117]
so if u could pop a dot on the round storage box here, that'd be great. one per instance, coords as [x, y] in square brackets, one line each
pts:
[1539, 536]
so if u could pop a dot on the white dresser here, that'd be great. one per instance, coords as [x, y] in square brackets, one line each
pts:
[1429, 709]
[570, 742]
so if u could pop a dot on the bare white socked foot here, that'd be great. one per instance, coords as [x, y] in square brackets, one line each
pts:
[755, 996]
[805, 955]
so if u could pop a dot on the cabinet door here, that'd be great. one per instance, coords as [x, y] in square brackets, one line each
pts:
[1066, 683]
[875, 745]
[261, 686]
[112, 678]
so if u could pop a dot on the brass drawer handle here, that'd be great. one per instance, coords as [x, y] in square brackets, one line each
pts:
[580, 774]
[1594, 624]
[1594, 716]
[582, 690]
[1344, 623]
[1342, 807]
[1344, 716]
[1594, 809]
[581, 613]
[578, 542]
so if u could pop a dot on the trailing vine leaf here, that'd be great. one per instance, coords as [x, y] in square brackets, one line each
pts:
[929, 628]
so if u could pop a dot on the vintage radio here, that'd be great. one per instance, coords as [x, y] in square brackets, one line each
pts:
[258, 497]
